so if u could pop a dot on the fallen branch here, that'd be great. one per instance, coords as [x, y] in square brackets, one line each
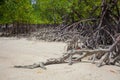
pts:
[68, 56]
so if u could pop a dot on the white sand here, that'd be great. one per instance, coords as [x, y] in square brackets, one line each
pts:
[21, 52]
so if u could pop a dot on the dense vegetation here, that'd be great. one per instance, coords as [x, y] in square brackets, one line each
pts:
[48, 11]
[86, 17]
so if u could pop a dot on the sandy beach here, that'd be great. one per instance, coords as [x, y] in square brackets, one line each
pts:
[15, 51]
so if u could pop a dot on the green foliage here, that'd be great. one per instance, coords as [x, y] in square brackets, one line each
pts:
[1, 2]
[16, 11]
[48, 11]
